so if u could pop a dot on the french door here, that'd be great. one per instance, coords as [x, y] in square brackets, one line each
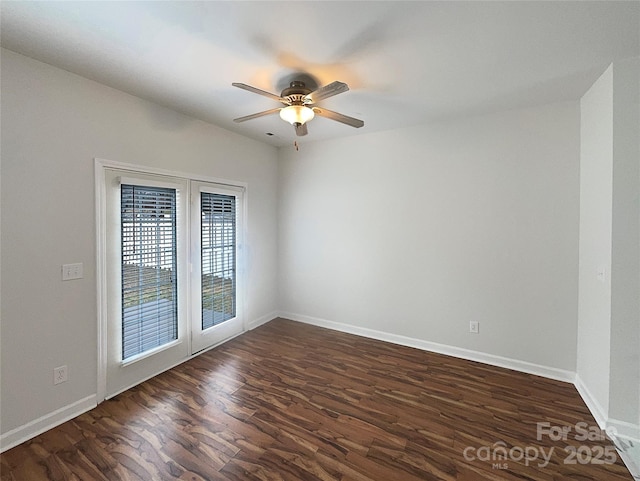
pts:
[216, 216]
[173, 283]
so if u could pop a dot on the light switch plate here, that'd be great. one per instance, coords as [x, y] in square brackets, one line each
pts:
[71, 271]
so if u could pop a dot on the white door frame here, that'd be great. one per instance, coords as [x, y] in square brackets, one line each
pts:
[100, 166]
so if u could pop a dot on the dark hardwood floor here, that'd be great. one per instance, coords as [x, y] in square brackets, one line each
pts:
[289, 401]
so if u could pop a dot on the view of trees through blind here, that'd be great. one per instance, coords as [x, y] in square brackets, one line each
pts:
[149, 282]
[218, 235]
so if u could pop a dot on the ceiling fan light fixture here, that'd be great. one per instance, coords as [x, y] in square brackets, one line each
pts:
[296, 114]
[298, 100]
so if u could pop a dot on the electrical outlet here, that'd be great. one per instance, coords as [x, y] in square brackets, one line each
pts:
[474, 327]
[60, 375]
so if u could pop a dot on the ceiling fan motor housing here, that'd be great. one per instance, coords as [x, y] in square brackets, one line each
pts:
[296, 93]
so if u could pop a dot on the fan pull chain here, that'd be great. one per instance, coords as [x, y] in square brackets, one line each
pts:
[295, 145]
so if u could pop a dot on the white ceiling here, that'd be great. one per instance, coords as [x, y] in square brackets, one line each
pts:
[406, 63]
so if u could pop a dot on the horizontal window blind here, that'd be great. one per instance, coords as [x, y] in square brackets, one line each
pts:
[218, 258]
[149, 281]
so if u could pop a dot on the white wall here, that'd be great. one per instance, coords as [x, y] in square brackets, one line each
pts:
[625, 282]
[53, 125]
[418, 231]
[596, 192]
[609, 309]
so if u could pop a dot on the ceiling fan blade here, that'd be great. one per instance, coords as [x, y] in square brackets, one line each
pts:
[334, 88]
[345, 119]
[259, 92]
[255, 116]
[301, 129]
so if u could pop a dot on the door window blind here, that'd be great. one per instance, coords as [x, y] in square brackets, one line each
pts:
[218, 258]
[149, 281]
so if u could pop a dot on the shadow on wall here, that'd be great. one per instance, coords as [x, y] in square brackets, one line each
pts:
[166, 120]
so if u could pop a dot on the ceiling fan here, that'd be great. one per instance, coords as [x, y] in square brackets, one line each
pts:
[300, 103]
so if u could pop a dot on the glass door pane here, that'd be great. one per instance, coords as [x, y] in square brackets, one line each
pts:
[218, 258]
[216, 281]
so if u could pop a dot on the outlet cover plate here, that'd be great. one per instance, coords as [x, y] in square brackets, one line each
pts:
[60, 375]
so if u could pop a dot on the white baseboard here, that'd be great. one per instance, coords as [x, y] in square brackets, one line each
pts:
[625, 435]
[592, 404]
[629, 451]
[262, 320]
[493, 360]
[624, 429]
[38, 426]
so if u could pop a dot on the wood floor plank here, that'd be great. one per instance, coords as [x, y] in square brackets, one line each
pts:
[292, 402]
